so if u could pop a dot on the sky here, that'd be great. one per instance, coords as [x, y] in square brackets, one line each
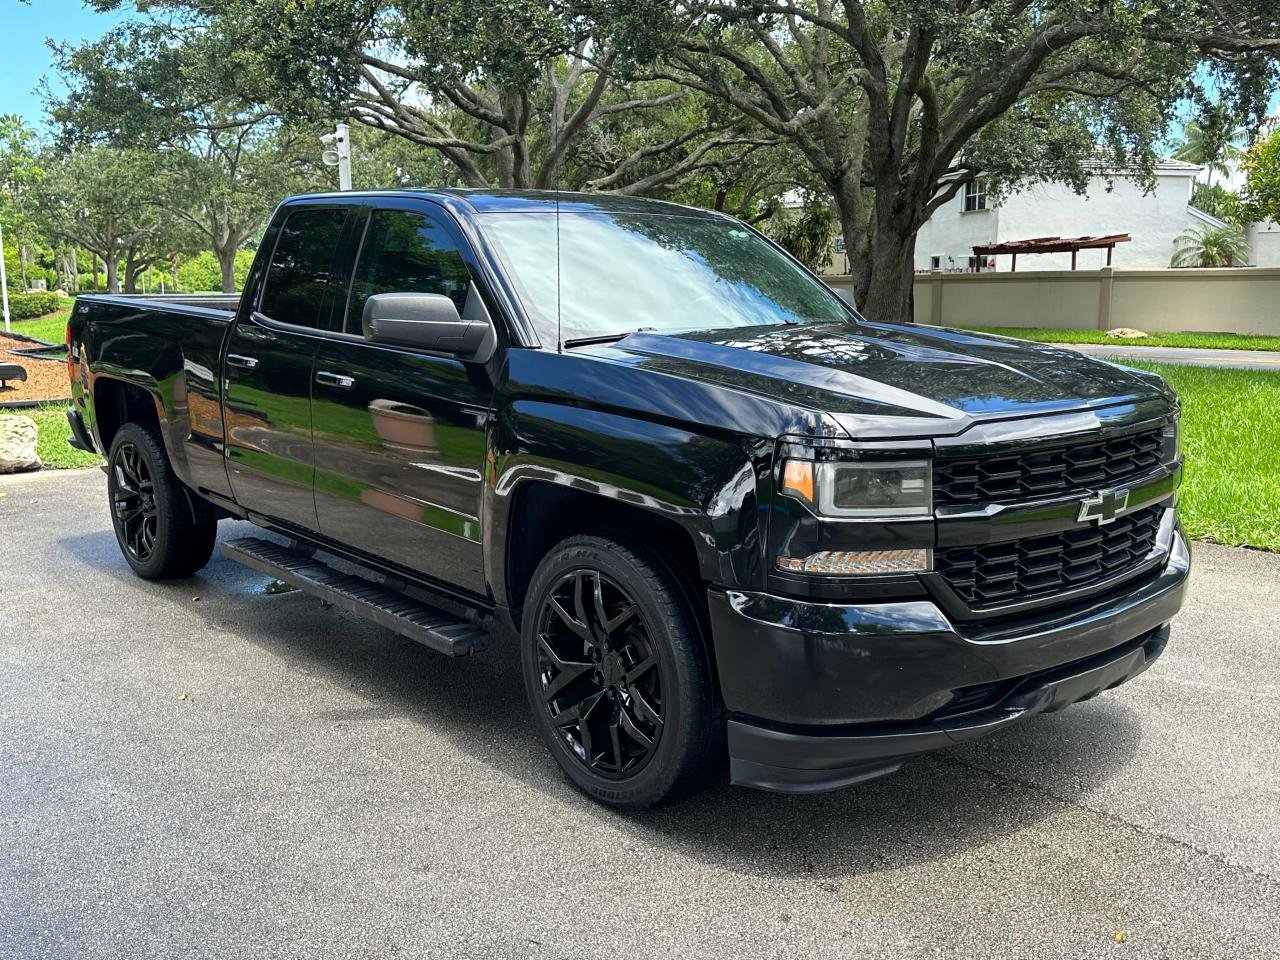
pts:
[24, 57]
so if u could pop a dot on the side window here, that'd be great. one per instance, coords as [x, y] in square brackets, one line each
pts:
[298, 278]
[406, 252]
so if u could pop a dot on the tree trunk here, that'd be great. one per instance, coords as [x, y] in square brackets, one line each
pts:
[892, 274]
[173, 271]
[851, 210]
[113, 274]
[227, 264]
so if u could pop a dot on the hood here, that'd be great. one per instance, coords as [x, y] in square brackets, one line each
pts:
[870, 370]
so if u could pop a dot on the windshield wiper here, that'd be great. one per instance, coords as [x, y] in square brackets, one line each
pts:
[605, 337]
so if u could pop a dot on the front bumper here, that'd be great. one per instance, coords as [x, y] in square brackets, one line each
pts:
[824, 695]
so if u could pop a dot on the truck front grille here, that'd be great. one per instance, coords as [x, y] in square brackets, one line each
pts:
[1046, 472]
[994, 574]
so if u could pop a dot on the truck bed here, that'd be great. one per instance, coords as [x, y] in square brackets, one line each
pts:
[169, 347]
[197, 304]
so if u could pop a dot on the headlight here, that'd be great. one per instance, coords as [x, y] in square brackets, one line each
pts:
[868, 489]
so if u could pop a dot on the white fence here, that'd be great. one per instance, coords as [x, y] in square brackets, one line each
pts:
[1245, 300]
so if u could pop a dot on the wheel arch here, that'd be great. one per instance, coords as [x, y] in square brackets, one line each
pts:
[543, 513]
[116, 402]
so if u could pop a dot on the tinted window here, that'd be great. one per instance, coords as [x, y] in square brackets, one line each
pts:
[591, 274]
[406, 253]
[298, 278]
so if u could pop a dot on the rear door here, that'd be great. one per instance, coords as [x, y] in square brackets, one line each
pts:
[400, 433]
[268, 368]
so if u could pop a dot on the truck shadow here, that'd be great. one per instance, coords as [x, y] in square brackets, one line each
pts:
[934, 807]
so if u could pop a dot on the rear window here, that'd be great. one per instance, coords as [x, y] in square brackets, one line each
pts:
[298, 278]
[406, 252]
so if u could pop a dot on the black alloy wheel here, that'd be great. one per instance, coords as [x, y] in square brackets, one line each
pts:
[163, 532]
[599, 672]
[618, 672]
[133, 502]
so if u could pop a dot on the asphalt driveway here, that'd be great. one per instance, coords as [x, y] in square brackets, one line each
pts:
[205, 769]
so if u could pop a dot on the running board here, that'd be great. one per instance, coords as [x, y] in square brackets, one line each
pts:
[405, 615]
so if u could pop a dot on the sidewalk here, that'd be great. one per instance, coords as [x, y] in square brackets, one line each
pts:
[1239, 359]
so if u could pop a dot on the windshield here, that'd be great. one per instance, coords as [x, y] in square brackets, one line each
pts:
[621, 272]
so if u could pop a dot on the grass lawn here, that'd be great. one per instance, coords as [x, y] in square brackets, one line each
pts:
[52, 327]
[1206, 341]
[1231, 439]
[51, 440]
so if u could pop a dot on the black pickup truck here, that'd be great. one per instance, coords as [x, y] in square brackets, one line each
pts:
[719, 511]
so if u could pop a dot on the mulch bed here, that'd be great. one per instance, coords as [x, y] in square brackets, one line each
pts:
[46, 379]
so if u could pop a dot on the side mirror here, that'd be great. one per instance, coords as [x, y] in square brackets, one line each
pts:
[430, 321]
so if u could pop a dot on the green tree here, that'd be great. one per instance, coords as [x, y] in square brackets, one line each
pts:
[20, 174]
[228, 179]
[506, 90]
[1217, 201]
[203, 272]
[807, 234]
[223, 167]
[102, 199]
[1262, 179]
[1214, 142]
[897, 104]
[1206, 246]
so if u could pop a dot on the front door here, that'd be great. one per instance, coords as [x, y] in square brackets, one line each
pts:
[400, 434]
[269, 368]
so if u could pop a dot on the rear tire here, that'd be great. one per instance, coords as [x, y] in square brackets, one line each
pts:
[149, 511]
[617, 674]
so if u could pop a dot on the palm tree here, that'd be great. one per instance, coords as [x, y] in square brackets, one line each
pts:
[1216, 146]
[1206, 246]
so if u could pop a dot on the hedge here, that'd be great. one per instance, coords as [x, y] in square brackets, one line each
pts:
[26, 306]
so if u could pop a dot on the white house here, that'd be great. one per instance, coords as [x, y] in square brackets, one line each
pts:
[1152, 219]
[1264, 243]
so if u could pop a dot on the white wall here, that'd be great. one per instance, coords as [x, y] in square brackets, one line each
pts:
[1227, 300]
[1264, 243]
[1154, 220]
[952, 233]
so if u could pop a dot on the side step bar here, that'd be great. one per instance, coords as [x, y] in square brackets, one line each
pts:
[407, 616]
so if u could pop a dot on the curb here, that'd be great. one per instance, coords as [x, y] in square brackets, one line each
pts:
[29, 339]
[29, 404]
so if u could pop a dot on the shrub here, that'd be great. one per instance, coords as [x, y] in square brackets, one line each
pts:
[202, 274]
[25, 306]
[808, 234]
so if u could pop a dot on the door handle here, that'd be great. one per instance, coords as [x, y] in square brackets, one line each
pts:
[239, 360]
[336, 380]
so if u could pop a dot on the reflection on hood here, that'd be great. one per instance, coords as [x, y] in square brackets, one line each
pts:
[890, 370]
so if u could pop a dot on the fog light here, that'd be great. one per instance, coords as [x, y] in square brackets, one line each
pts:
[860, 562]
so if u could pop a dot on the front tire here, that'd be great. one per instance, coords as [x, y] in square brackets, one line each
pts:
[149, 513]
[617, 675]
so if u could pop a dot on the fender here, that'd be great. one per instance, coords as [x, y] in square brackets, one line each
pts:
[704, 484]
[126, 342]
[159, 375]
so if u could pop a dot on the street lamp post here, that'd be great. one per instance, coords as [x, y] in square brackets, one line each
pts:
[338, 154]
[4, 282]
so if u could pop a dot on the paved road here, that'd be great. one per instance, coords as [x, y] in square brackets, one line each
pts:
[1240, 359]
[201, 769]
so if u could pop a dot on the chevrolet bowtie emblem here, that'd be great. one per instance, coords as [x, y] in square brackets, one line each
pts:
[1103, 506]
